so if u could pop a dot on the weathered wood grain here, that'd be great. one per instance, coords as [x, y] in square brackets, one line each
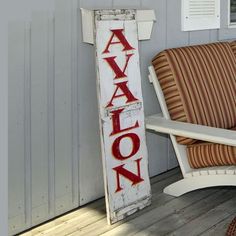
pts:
[203, 212]
[123, 140]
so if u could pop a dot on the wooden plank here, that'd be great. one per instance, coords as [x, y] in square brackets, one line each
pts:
[191, 209]
[208, 219]
[98, 216]
[166, 215]
[200, 132]
[51, 115]
[90, 162]
[74, 100]
[98, 224]
[4, 20]
[158, 213]
[63, 107]
[158, 199]
[124, 151]
[16, 128]
[164, 175]
[180, 218]
[39, 116]
[27, 124]
[220, 228]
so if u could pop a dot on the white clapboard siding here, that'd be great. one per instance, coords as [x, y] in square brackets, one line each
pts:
[43, 111]
[51, 115]
[74, 101]
[16, 154]
[27, 131]
[63, 108]
[39, 117]
[90, 160]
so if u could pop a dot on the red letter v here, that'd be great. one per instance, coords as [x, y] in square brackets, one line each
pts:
[119, 73]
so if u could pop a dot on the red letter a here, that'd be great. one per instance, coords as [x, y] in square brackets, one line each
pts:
[118, 33]
[135, 179]
[126, 92]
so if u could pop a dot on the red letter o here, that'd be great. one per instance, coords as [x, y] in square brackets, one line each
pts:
[116, 146]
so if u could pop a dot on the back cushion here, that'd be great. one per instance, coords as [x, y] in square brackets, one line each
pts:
[199, 84]
[233, 47]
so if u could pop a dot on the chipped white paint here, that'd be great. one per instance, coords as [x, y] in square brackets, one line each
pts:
[121, 113]
[144, 19]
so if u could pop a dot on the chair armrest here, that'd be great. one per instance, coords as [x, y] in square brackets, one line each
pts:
[200, 132]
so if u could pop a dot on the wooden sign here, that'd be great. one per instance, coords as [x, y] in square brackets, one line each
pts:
[121, 113]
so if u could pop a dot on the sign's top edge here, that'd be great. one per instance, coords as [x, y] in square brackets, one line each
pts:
[126, 14]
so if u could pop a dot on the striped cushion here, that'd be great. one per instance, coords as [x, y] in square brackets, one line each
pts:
[199, 84]
[233, 46]
[209, 154]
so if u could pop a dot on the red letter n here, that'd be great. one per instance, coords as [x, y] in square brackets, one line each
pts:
[135, 179]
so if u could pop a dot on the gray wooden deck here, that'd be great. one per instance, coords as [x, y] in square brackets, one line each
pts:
[203, 212]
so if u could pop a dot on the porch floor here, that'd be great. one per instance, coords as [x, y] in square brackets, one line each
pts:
[202, 212]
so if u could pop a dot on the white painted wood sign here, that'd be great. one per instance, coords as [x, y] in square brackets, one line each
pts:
[121, 113]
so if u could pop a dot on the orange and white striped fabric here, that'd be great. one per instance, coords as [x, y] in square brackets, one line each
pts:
[204, 154]
[233, 46]
[199, 85]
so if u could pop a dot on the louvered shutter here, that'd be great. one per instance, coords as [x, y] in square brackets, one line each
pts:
[200, 14]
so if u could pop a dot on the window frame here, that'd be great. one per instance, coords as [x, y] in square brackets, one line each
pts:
[230, 24]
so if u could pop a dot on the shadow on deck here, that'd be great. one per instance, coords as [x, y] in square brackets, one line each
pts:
[202, 212]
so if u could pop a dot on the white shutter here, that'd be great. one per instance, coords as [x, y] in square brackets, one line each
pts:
[200, 14]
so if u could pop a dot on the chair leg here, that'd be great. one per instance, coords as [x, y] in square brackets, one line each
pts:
[193, 183]
[178, 188]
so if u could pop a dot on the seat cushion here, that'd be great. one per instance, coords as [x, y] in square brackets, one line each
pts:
[204, 154]
[199, 85]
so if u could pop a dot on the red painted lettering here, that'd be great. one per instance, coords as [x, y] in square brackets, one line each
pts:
[116, 146]
[135, 179]
[116, 123]
[120, 73]
[126, 92]
[118, 33]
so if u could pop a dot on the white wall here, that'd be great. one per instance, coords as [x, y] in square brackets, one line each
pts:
[3, 123]
[11, 10]
[23, 9]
